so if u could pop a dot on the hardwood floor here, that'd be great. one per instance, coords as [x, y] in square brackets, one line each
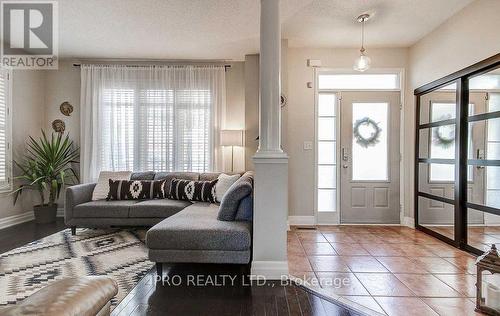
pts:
[180, 295]
[19, 235]
[202, 289]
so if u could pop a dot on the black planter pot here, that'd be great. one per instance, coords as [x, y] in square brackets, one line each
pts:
[45, 214]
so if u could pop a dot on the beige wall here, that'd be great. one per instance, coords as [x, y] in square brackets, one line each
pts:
[469, 36]
[63, 85]
[300, 113]
[234, 114]
[27, 116]
[251, 108]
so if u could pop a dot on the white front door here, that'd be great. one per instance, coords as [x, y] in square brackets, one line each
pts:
[369, 157]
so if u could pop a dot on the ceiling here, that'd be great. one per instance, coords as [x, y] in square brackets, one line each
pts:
[229, 29]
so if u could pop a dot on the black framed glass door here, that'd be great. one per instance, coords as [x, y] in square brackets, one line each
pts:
[457, 157]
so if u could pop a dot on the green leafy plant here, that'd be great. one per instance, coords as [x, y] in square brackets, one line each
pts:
[47, 166]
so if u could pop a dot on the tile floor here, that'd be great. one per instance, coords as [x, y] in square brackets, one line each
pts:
[393, 270]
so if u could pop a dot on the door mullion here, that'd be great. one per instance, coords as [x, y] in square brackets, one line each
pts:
[461, 152]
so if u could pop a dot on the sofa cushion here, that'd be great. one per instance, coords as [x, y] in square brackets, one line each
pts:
[101, 189]
[209, 176]
[231, 200]
[197, 228]
[245, 209]
[146, 175]
[224, 182]
[103, 208]
[169, 176]
[203, 191]
[161, 208]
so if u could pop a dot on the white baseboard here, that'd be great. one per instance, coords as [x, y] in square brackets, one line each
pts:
[301, 220]
[16, 219]
[270, 270]
[408, 221]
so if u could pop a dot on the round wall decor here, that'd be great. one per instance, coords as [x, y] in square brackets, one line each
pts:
[58, 126]
[66, 108]
[366, 132]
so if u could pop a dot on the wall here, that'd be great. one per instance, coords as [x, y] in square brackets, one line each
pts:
[300, 113]
[27, 115]
[234, 114]
[251, 108]
[469, 36]
[63, 85]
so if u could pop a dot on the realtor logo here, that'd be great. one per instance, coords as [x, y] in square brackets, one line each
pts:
[29, 34]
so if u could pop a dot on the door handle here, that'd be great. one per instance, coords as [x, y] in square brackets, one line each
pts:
[345, 155]
[480, 156]
[345, 166]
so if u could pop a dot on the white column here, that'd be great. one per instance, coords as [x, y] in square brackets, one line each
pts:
[269, 78]
[271, 163]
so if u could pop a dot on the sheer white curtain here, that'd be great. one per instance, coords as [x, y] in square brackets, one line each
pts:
[160, 118]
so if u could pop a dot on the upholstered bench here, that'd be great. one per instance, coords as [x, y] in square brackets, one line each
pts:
[195, 235]
[83, 296]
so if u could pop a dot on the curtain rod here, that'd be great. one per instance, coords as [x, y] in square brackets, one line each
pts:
[145, 62]
[225, 66]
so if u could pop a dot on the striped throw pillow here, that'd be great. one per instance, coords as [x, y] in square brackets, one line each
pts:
[136, 189]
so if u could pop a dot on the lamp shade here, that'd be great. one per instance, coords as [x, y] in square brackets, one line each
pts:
[231, 137]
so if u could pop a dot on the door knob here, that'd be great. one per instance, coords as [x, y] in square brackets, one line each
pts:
[345, 166]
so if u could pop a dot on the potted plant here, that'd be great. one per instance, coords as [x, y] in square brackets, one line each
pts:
[46, 169]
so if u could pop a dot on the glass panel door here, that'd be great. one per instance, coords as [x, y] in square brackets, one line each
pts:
[436, 165]
[484, 159]
[370, 161]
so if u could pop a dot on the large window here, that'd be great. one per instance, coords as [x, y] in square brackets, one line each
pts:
[5, 155]
[139, 131]
[151, 118]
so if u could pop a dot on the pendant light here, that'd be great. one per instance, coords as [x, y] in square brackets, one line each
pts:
[362, 63]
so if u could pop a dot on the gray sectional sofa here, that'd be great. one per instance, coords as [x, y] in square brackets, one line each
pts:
[181, 231]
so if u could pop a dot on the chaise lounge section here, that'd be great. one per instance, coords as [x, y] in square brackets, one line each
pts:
[182, 232]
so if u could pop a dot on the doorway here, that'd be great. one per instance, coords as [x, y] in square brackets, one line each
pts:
[357, 165]
[370, 156]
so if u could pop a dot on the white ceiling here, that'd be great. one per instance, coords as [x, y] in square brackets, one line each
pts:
[229, 29]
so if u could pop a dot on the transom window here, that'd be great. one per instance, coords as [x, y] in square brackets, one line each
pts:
[333, 81]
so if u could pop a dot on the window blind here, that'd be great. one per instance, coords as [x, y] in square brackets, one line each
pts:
[5, 157]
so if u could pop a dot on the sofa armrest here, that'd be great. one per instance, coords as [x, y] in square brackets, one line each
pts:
[75, 195]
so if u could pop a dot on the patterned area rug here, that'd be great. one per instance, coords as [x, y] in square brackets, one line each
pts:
[118, 254]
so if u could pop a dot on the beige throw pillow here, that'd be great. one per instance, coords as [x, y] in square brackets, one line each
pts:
[223, 184]
[101, 190]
